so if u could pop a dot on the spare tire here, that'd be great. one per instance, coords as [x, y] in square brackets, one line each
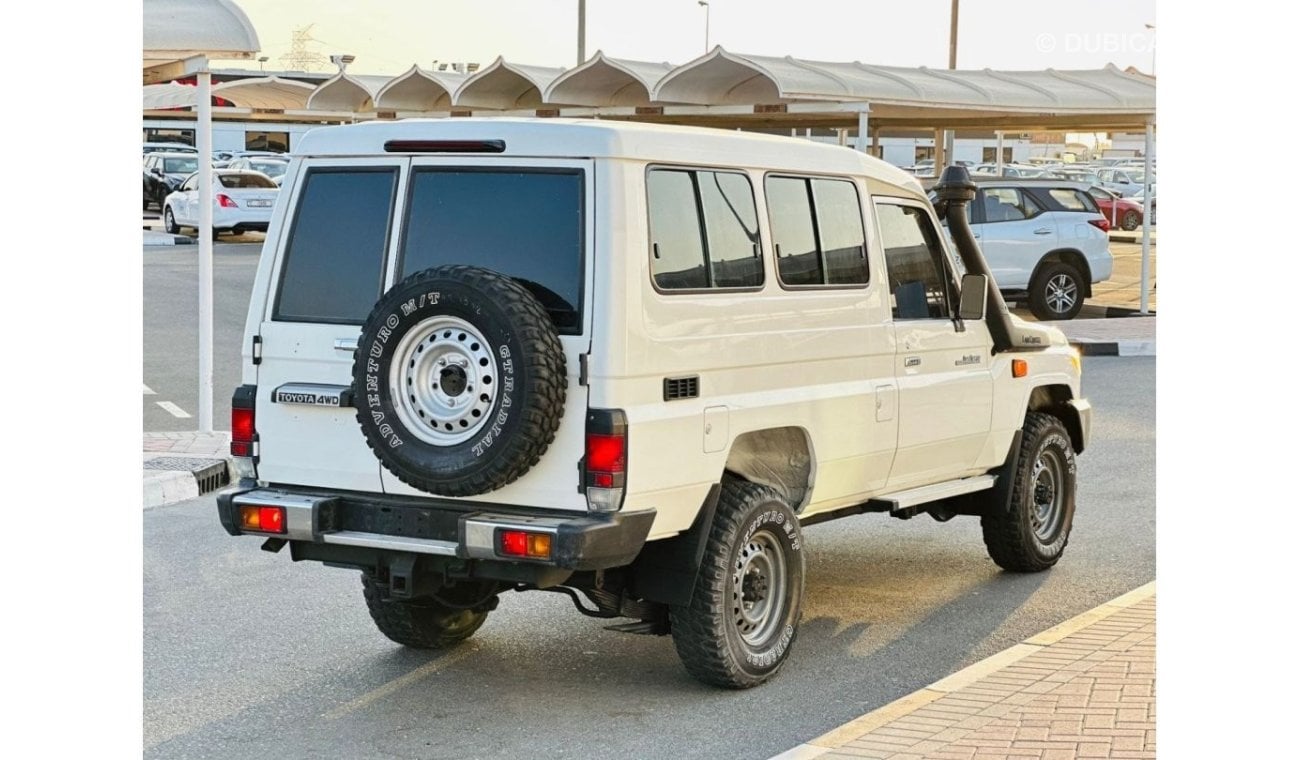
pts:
[459, 380]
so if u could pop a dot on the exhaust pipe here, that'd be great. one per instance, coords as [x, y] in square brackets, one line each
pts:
[955, 191]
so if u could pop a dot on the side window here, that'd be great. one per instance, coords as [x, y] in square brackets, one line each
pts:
[918, 284]
[839, 226]
[703, 230]
[817, 231]
[1007, 204]
[334, 259]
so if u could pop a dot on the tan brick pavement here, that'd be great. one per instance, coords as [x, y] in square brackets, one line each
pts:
[1085, 689]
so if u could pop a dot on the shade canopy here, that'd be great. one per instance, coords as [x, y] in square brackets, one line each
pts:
[178, 30]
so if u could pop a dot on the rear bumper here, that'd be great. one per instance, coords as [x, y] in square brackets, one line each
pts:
[581, 541]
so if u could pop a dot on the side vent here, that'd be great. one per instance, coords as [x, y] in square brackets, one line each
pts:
[681, 387]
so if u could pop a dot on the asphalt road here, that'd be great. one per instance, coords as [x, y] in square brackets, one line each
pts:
[248, 655]
[171, 328]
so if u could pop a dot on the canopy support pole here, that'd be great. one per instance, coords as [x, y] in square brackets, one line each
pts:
[204, 140]
[940, 157]
[1146, 215]
[864, 127]
[875, 143]
[1000, 134]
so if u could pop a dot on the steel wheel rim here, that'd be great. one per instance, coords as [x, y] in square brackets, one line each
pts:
[758, 588]
[1047, 495]
[1130, 220]
[1062, 292]
[443, 381]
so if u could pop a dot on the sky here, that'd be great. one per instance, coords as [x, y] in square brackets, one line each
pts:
[388, 36]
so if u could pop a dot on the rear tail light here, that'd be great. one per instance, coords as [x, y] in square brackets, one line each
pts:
[604, 467]
[1102, 224]
[225, 201]
[524, 544]
[243, 422]
[261, 519]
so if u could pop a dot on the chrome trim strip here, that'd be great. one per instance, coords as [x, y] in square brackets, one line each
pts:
[345, 344]
[395, 543]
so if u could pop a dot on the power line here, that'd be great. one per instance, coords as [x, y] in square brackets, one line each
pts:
[299, 58]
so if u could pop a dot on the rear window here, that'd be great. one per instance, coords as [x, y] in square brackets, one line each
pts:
[180, 165]
[244, 180]
[334, 259]
[269, 168]
[1072, 200]
[523, 223]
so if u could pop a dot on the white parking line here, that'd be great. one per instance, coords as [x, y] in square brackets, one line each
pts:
[175, 411]
[149, 391]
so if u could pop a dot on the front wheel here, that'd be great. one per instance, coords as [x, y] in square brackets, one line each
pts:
[741, 621]
[169, 222]
[1029, 533]
[1056, 292]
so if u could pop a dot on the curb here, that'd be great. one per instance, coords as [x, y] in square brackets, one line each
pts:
[838, 737]
[162, 238]
[171, 486]
[1115, 347]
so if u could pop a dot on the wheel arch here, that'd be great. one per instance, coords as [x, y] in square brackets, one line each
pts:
[1055, 400]
[781, 458]
[1072, 256]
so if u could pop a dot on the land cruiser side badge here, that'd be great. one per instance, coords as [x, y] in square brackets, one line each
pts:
[312, 394]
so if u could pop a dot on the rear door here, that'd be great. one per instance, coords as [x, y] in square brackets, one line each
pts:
[1013, 234]
[330, 269]
[533, 220]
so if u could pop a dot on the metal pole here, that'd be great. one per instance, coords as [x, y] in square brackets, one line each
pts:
[875, 143]
[952, 37]
[1146, 215]
[205, 248]
[999, 156]
[582, 31]
[706, 23]
[940, 158]
[860, 144]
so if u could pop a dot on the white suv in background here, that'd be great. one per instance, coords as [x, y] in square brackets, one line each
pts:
[1045, 241]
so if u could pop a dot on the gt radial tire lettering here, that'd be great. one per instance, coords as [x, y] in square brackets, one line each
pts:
[520, 395]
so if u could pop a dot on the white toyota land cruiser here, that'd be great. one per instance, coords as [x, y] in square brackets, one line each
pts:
[628, 362]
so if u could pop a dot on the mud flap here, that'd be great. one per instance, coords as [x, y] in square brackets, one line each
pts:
[665, 570]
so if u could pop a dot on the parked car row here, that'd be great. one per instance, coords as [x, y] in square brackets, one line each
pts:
[244, 186]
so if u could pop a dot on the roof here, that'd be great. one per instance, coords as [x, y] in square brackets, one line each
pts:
[587, 138]
[178, 29]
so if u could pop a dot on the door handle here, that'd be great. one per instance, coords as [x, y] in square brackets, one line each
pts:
[1042, 231]
[345, 344]
[912, 361]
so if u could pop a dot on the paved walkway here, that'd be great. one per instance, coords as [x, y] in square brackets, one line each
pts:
[1083, 689]
[184, 454]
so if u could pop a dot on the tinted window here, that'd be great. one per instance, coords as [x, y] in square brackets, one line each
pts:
[524, 224]
[797, 259]
[180, 165]
[1072, 200]
[731, 225]
[817, 231]
[1007, 204]
[703, 230]
[918, 285]
[676, 246]
[269, 168]
[333, 267]
[839, 224]
[244, 180]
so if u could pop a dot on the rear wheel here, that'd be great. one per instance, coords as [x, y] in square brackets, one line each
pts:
[1129, 221]
[420, 623]
[1056, 292]
[741, 621]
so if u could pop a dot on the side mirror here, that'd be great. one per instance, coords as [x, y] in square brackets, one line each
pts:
[974, 296]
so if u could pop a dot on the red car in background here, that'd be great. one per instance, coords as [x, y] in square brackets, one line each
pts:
[1123, 213]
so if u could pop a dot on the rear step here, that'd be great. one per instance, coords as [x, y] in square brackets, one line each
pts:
[896, 502]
